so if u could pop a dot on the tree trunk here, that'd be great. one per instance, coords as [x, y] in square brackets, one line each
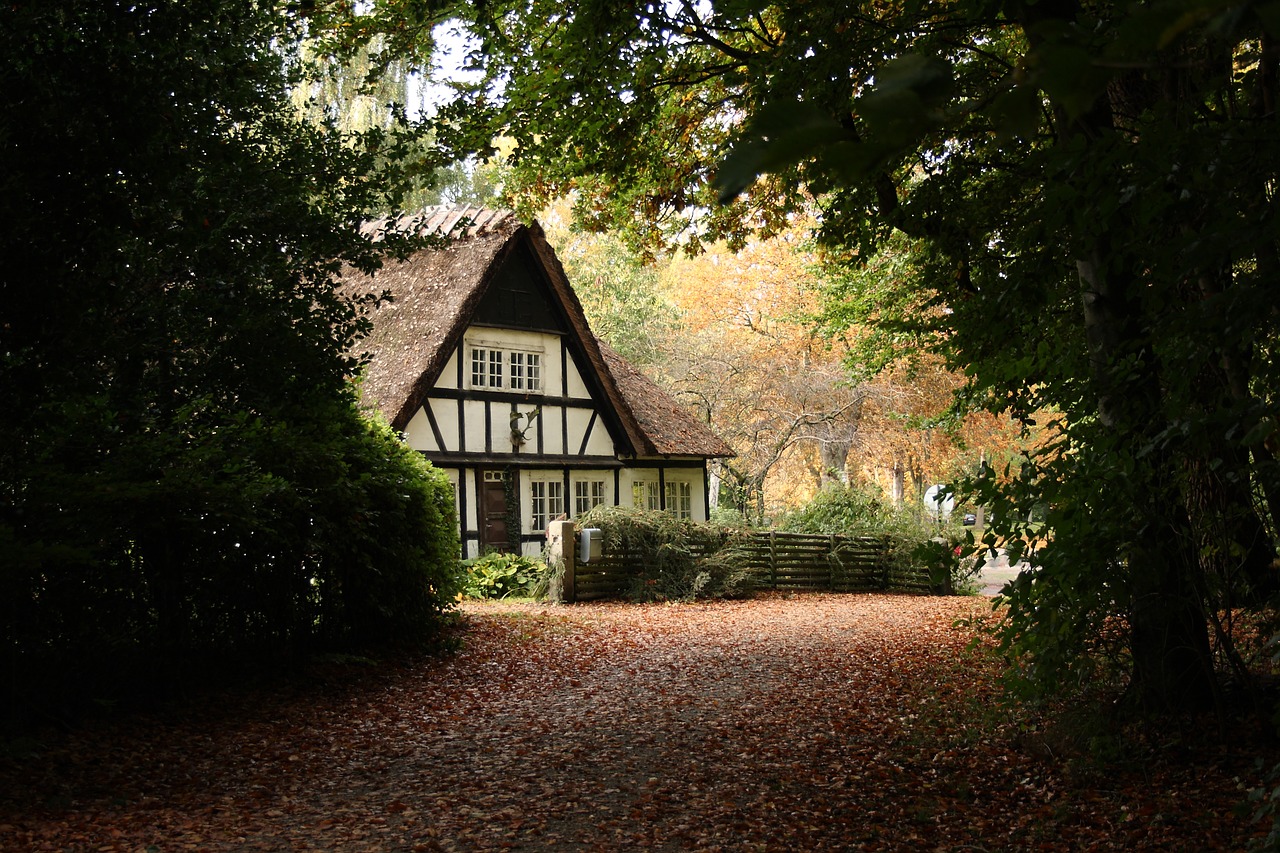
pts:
[834, 456]
[1172, 660]
[1169, 634]
[1232, 541]
[899, 488]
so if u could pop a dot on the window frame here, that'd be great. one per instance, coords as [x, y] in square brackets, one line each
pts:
[680, 499]
[646, 494]
[495, 367]
[596, 494]
[524, 371]
[547, 506]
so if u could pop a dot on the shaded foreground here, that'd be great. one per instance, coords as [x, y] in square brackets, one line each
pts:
[807, 723]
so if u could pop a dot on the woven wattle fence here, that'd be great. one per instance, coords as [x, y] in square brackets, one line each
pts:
[780, 561]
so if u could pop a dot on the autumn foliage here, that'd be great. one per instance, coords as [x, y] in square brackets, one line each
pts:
[737, 337]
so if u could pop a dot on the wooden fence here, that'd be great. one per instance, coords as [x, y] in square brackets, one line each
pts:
[779, 561]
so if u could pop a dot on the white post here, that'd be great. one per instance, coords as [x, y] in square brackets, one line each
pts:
[562, 558]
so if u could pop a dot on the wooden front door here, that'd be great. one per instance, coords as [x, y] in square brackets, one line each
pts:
[494, 512]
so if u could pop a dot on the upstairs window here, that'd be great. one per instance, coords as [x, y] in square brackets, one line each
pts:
[486, 367]
[526, 371]
[506, 370]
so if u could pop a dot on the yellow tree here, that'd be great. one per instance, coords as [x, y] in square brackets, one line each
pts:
[750, 359]
[735, 336]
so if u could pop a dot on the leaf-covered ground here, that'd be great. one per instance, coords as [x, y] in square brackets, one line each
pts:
[817, 722]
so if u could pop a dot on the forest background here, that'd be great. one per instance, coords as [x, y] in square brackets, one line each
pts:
[1062, 211]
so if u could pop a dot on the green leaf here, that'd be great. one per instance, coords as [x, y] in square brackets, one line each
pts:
[909, 95]
[780, 136]
[1069, 75]
[1016, 113]
[1261, 431]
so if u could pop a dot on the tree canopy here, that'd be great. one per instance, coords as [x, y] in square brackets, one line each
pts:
[184, 473]
[1088, 188]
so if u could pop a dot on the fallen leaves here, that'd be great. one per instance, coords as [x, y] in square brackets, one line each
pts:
[814, 722]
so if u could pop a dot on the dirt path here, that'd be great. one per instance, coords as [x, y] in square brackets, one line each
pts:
[813, 723]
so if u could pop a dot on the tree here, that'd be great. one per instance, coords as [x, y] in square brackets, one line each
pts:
[747, 361]
[1089, 187]
[183, 470]
[352, 88]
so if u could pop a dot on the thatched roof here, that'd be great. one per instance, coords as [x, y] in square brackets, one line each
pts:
[435, 293]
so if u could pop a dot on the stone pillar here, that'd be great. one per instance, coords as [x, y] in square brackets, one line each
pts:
[562, 555]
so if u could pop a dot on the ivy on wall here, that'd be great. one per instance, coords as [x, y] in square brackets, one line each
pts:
[510, 478]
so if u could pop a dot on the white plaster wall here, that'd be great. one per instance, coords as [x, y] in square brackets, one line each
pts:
[418, 433]
[446, 414]
[449, 376]
[600, 443]
[548, 422]
[473, 414]
[465, 488]
[465, 482]
[625, 476]
[513, 338]
[576, 388]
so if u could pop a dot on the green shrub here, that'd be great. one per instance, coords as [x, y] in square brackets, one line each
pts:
[387, 533]
[680, 560]
[499, 575]
[838, 510]
[914, 545]
[258, 542]
[724, 515]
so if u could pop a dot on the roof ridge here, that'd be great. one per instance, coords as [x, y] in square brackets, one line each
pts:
[444, 220]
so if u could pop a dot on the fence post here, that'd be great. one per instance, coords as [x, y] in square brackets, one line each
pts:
[562, 555]
[773, 559]
[884, 562]
[833, 563]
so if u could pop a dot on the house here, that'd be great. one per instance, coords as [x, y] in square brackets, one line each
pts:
[484, 361]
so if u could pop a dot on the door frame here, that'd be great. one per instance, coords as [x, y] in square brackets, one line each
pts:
[497, 480]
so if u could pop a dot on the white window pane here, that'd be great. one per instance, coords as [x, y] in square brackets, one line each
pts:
[538, 503]
[533, 372]
[680, 499]
[517, 371]
[495, 369]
